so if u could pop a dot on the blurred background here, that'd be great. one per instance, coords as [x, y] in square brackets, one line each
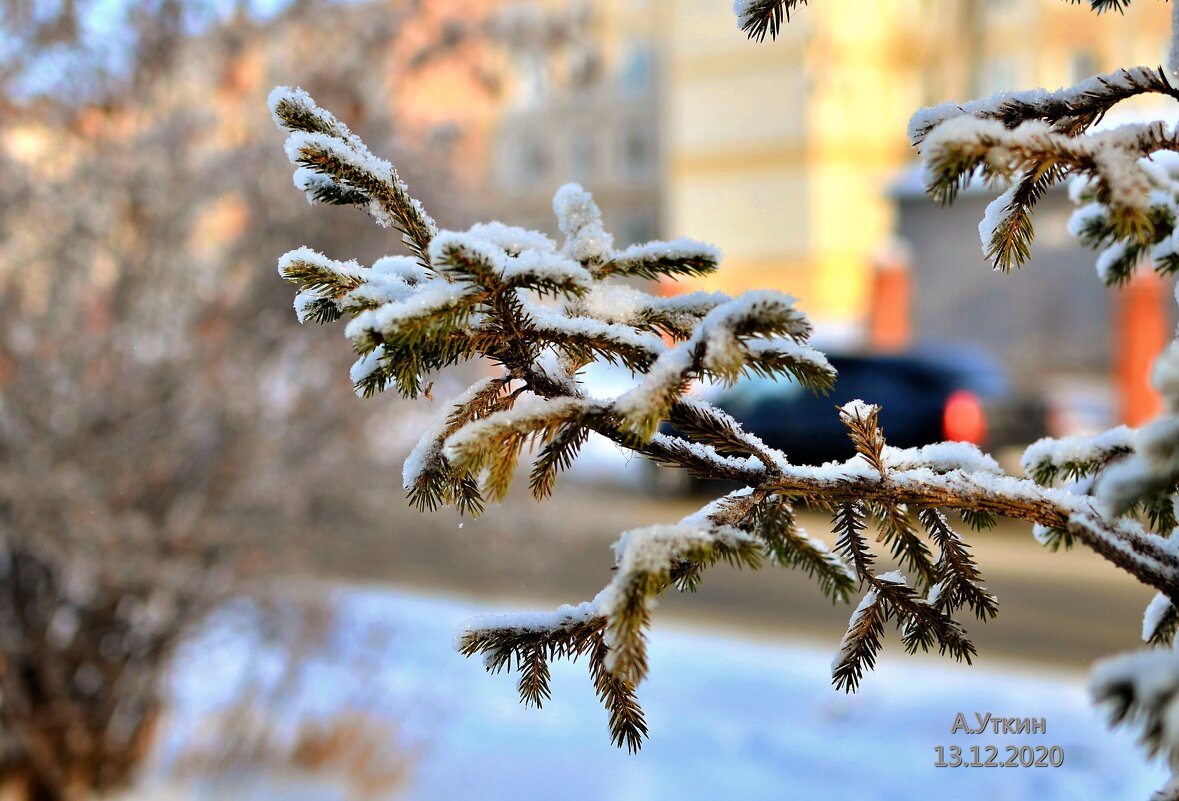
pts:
[210, 583]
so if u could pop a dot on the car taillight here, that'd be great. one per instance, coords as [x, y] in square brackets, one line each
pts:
[963, 419]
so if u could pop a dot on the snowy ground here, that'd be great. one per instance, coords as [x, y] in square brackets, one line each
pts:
[730, 718]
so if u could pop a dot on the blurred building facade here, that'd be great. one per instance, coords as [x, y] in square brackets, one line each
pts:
[782, 153]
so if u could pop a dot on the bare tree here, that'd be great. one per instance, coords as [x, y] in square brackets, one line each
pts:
[159, 425]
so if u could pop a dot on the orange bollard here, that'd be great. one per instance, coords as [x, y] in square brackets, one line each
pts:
[1140, 336]
[889, 321]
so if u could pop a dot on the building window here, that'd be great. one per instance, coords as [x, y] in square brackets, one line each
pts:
[638, 152]
[636, 227]
[1082, 64]
[635, 74]
[533, 162]
[582, 156]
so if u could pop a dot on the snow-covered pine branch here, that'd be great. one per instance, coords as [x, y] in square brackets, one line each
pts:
[1070, 111]
[1034, 139]
[535, 313]
[335, 166]
[1125, 181]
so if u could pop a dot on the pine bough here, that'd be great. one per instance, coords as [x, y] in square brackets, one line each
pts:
[540, 311]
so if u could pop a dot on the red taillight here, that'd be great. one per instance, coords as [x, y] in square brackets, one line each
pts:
[963, 419]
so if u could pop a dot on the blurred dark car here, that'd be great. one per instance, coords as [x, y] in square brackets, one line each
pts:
[925, 397]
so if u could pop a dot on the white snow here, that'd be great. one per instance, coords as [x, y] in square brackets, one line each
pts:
[349, 150]
[1059, 452]
[743, 9]
[563, 617]
[366, 365]
[429, 447]
[679, 248]
[346, 269]
[927, 119]
[1154, 677]
[1109, 257]
[1158, 607]
[846, 644]
[616, 303]
[764, 723]
[304, 302]
[404, 267]
[549, 267]
[512, 239]
[529, 413]
[580, 220]
[995, 213]
[546, 321]
[1084, 216]
[941, 457]
[429, 299]
[857, 409]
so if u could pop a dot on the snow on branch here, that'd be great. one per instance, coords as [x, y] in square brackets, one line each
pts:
[580, 220]
[1075, 457]
[680, 257]
[1150, 475]
[758, 332]
[348, 173]
[1032, 140]
[1142, 690]
[1068, 111]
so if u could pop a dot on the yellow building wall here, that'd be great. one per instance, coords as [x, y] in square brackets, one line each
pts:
[734, 125]
[781, 152]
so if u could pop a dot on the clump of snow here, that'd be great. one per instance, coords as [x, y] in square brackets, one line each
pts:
[386, 319]
[345, 269]
[1060, 452]
[1108, 259]
[743, 9]
[942, 457]
[428, 451]
[616, 303]
[406, 268]
[665, 378]
[927, 119]
[1149, 682]
[580, 220]
[679, 248]
[1043, 534]
[846, 644]
[997, 210]
[529, 413]
[513, 239]
[305, 303]
[1165, 376]
[365, 366]
[545, 267]
[655, 550]
[1080, 188]
[1085, 216]
[340, 144]
[562, 618]
[547, 322]
[857, 410]
[453, 245]
[1156, 610]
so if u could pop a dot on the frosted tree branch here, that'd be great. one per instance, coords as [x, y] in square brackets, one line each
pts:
[537, 312]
